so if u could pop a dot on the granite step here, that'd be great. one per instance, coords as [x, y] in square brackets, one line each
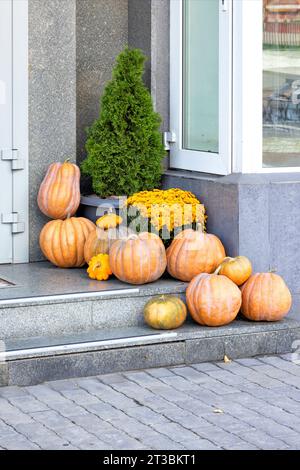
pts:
[33, 360]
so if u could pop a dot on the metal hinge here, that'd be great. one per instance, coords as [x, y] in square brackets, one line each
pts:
[13, 219]
[13, 156]
[169, 138]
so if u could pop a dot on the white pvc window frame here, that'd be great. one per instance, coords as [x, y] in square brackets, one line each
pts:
[208, 162]
[243, 142]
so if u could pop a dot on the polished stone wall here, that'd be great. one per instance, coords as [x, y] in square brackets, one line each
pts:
[101, 34]
[52, 97]
[72, 47]
[254, 215]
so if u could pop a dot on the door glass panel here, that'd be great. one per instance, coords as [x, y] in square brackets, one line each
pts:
[281, 83]
[201, 75]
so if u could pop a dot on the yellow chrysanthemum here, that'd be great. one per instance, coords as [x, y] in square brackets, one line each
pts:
[99, 267]
[169, 208]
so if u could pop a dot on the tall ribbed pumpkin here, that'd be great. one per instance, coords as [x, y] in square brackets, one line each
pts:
[62, 241]
[213, 300]
[59, 193]
[266, 297]
[138, 259]
[193, 252]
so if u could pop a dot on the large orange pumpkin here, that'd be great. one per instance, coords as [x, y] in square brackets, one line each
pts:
[193, 252]
[100, 240]
[213, 300]
[59, 193]
[62, 241]
[138, 259]
[266, 297]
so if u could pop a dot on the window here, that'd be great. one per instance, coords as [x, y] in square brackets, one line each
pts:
[281, 83]
[200, 85]
[235, 85]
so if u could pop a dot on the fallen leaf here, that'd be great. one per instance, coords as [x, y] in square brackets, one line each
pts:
[227, 360]
[218, 411]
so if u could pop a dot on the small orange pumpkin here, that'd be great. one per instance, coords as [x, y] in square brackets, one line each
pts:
[59, 193]
[266, 297]
[213, 300]
[138, 259]
[193, 252]
[62, 241]
[165, 312]
[237, 269]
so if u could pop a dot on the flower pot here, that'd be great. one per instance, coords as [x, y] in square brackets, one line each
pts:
[92, 207]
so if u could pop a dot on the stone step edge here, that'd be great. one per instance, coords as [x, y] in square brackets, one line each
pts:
[161, 337]
[93, 296]
[177, 352]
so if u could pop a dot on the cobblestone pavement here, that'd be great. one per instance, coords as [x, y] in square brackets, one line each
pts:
[245, 404]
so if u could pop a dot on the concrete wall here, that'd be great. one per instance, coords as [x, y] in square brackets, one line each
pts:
[254, 215]
[52, 97]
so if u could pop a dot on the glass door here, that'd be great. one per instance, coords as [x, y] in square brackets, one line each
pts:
[200, 84]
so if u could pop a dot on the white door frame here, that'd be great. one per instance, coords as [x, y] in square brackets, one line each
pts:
[14, 141]
[20, 127]
[188, 159]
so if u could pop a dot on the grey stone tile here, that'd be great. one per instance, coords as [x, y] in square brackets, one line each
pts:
[204, 350]
[250, 345]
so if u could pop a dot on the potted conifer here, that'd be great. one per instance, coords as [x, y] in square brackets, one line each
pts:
[124, 145]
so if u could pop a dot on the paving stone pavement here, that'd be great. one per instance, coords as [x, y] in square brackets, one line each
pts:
[245, 404]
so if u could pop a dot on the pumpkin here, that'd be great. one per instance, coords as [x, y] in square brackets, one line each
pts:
[193, 252]
[138, 259]
[213, 300]
[165, 312]
[109, 221]
[99, 267]
[266, 297]
[62, 241]
[59, 193]
[100, 240]
[237, 269]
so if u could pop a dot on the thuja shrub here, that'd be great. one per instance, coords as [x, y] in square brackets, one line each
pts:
[124, 146]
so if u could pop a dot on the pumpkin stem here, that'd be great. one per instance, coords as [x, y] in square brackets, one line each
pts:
[273, 270]
[228, 258]
[67, 160]
[199, 227]
[133, 236]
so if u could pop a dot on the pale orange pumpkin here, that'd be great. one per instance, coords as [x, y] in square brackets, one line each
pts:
[237, 269]
[193, 252]
[138, 259]
[62, 241]
[213, 300]
[165, 312]
[100, 240]
[59, 193]
[266, 297]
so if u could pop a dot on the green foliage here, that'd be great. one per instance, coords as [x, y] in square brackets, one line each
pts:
[124, 146]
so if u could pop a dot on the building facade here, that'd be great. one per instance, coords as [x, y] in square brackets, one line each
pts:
[224, 75]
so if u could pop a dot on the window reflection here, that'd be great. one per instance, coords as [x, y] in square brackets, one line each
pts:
[281, 83]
